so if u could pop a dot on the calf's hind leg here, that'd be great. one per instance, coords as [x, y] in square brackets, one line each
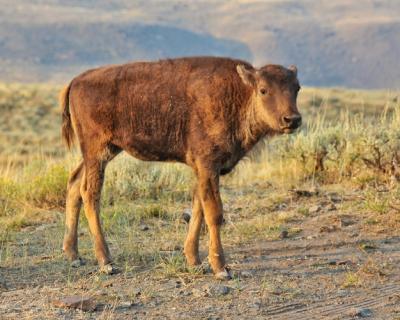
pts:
[72, 210]
[91, 191]
[192, 238]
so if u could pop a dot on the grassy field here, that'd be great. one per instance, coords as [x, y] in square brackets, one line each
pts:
[337, 179]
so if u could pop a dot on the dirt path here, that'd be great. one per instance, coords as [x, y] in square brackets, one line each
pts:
[318, 273]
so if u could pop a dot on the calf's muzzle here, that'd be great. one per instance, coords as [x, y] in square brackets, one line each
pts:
[291, 121]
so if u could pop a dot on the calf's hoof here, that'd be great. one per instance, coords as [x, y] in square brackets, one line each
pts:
[191, 255]
[70, 254]
[77, 263]
[109, 269]
[193, 261]
[224, 274]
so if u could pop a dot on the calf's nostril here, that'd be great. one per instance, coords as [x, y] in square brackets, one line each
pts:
[287, 120]
[292, 121]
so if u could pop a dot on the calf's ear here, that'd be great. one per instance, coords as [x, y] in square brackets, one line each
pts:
[293, 68]
[246, 75]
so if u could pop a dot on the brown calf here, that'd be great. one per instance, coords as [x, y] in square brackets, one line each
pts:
[206, 112]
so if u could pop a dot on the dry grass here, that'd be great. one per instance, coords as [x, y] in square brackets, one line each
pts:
[358, 152]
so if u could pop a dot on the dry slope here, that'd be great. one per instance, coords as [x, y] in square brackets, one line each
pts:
[340, 43]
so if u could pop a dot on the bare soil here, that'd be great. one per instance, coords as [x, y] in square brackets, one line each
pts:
[335, 266]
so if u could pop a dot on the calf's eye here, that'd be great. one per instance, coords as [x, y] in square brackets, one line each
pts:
[263, 91]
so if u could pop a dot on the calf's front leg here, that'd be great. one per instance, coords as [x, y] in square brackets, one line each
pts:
[208, 190]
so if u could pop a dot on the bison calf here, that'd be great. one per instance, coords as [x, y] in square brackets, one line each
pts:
[206, 112]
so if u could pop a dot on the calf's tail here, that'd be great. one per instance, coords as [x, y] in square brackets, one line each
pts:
[67, 130]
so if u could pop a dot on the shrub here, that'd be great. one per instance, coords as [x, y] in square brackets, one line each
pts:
[48, 189]
[130, 179]
[9, 195]
[353, 148]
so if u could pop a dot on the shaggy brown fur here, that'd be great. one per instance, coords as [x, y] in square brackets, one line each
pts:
[206, 112]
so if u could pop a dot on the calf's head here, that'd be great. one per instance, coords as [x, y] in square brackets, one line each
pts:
[275, 90]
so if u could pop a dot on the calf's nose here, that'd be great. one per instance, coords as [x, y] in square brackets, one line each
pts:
[292, 122]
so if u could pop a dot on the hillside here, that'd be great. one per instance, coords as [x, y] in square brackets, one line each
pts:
[341, 43]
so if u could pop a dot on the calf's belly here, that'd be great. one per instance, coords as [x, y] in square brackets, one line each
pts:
[153, 149]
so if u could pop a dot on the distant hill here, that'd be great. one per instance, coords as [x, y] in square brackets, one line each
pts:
[334, 43]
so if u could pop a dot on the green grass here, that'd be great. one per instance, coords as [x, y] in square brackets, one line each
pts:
[27, 196]
[173, 264]
[351, 279]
